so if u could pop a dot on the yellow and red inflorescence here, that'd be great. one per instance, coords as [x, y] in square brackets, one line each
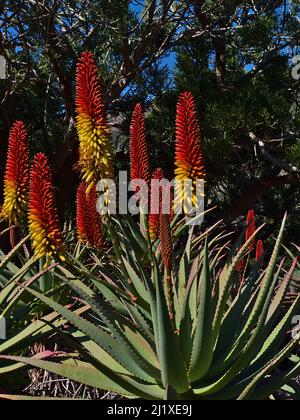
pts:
[43, 221]
[16, 181]
[95, 150]
[188, 155]
[89, 221]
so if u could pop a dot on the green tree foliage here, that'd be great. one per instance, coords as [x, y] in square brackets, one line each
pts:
[248, 103]
[235, 56]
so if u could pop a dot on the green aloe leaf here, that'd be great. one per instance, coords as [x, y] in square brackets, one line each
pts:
[119, 351]
[242, 354]
[260, 308]
[103, 379]
[263, 390]
[27, 398]
[136, 280]
[109, 317]
[4, 261]
[35, 332]
[202, 352]
[280, 295]
[259, 311]
[271, 365]
[169, 351]
[269, 345]
[225, 284]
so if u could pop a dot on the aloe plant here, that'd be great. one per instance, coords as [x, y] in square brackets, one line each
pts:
[222, 342]
[25, 318]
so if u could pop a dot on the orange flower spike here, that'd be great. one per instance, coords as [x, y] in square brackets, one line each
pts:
[250, 229]
[139, 158]
[16, 182]
[259, 250]
[188, 155]
[42, 215]
[95, 150]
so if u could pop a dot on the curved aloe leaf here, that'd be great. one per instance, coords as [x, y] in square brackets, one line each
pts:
[202, 352]
[90, 376]
[169, 351]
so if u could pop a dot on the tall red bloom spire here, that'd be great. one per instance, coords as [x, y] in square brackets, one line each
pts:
[43, 219]
[155, 204]
[188, 156]
[166, 253]
[250, 228]
[241, 265]
[139, 158]
[82, 228]
[16, 181]
[166, 239]
[95, 151]
[89, 221]
[259, 250]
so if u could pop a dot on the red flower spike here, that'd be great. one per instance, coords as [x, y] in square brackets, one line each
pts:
[139, 159]
[81, 213]
[166, 253]
[259, 250]
[250, 229]
[88, 94]
[97, 239]
[43, 219]
[241, 265]
[154, 218]
[166, 240]
[16, 182]
[89, 221]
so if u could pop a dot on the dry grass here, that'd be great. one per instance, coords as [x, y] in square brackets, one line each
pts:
[44, 384]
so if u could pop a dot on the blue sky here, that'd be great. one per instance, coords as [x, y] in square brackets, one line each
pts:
[170, 59]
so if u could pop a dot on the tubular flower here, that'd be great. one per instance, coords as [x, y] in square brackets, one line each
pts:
[16, 181]
[89, 221]
[42, 215]
[259, 250]
[250, 229]
[95, 149]
[188, 155]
